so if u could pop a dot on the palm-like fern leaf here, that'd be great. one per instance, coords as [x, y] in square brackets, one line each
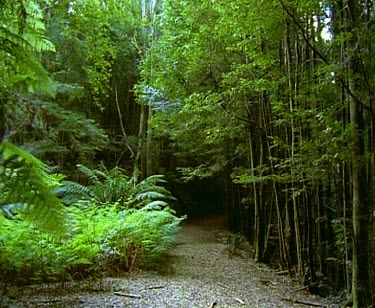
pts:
[70, 192]
[91, 174]
[115, 186]
[150, 195]
[25, 180]
[155, 205]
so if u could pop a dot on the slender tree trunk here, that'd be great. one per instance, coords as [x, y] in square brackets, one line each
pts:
[257, 212]
[149, 148]
[292, 86]
[360, 225]
[140, 159]
[347, 269]
[2, 118]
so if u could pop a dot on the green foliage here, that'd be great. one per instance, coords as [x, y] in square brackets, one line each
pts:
[56, 135]
[22, 32]
[99, 239]
[26, 183]
[110, 186]
[142, 239]
[117, 223]
[97, 48]
[250, 90]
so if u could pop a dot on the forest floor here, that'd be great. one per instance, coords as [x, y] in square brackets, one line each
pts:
[203, 274]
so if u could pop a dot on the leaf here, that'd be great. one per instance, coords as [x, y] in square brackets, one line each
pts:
[28, 183]
[149, 195]
[155, 205]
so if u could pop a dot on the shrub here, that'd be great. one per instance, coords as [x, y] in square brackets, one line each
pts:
[99, 239]
[141, 239]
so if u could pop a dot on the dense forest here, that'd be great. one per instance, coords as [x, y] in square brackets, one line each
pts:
[263, 110]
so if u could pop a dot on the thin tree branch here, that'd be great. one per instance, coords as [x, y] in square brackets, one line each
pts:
[256, 125]
[122, 125]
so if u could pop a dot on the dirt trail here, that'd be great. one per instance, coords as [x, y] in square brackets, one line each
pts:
[203, 275]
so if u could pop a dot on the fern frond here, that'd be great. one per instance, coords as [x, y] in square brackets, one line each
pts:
[152, 180]
[25, 180]
[166, 194]
[150, 195]
[155, 205]
[91, 174]
[70, 192]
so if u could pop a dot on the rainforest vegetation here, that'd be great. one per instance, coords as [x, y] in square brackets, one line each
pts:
[262, 110]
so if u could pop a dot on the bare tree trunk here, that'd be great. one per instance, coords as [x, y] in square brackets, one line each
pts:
[292, 85]
[2, 118]
[149, 147]
[257, 225]
[140, 159]
[360, 225]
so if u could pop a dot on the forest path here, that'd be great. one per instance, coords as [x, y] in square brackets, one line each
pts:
[204, 275]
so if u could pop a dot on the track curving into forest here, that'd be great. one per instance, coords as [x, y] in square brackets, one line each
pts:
[203, 274]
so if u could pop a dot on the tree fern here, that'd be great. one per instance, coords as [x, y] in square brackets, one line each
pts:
[54, 134]
[26, 180]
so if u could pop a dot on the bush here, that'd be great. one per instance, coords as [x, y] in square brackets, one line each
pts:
[141, 239]
[99, 239]
[115, 224]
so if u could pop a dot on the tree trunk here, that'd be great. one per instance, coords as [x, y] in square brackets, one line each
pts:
[257, 214]
[140, 159]
[292, 86]
[2, 118]
[360, 225]
[149, 148]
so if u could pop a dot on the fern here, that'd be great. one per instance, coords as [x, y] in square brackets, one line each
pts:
[26, 180]
[149, 195]
[114, 186]
[99, 239]
[22, 33]
[155, 205]
[58, 136]
[71, 192]
[141, 239]
[91, 174]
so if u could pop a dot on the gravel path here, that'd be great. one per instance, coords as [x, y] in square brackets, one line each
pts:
[204, 274]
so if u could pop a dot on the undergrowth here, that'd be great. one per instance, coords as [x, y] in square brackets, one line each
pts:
[112, 226]
[99, 240]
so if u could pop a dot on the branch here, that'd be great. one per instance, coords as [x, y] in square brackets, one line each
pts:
[306, 303]
[244, 119]
[156, 287]
[126, 295]
[122, 126]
